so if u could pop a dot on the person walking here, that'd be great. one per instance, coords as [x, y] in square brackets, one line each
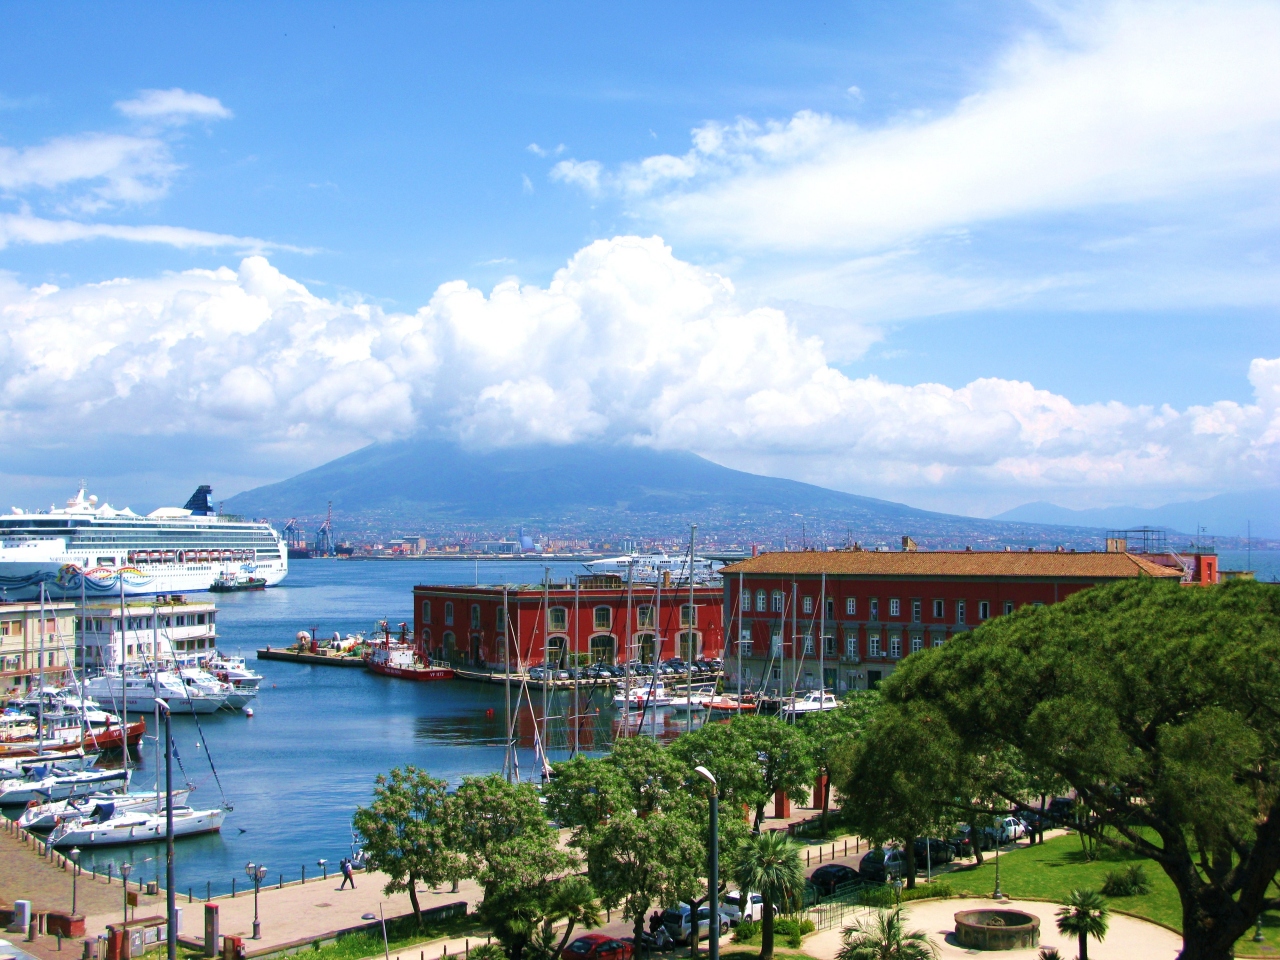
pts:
[348, 875]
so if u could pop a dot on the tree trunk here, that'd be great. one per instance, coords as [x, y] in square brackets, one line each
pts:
[568, 932]
[1084, 946]
[826, 800]
[766, 931]
[1040, 825]
[759, 816]
[910, 851]
[975, 844]
[413, 899]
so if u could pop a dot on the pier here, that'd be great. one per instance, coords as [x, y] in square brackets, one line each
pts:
[319, 659]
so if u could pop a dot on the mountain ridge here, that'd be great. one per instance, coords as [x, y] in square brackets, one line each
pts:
[1251, 512]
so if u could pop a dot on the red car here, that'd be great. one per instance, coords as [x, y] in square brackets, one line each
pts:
[598, 946]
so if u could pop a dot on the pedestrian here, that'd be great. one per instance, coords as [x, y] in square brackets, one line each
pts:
[348, 875]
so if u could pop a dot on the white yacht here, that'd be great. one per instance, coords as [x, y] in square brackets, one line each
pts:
[109, 826]
[811, 702]
[97, 548]
[60, 785]
[137, 692]
[651, 695]
[197, 678]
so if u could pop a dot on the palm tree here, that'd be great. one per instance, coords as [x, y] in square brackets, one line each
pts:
[574, 900]
[769, 864]
[1084, 915]
[885, 940]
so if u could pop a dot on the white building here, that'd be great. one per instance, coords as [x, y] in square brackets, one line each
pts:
[165, 629]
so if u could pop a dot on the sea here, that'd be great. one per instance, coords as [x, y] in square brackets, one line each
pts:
[292, 774]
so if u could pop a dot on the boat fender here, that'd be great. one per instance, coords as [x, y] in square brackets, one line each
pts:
[248, 711]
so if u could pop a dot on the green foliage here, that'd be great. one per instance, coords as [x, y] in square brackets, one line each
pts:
[1083, 915]
[407, 834]
[747, 931]
[1159, 704]
[1130, 882]
[487, 951]
[793, 930]
[830, 733]
[884, 938]
[882, 895]
[769, 864]
[783, 762]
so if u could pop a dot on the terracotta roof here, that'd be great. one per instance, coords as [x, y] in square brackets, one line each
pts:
[959, 563]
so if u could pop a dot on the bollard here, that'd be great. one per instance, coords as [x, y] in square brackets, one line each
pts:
[806, 858]
[31, 929]
[189, 897]
[208, 890]
[304, 873]
[233, 888]
[846, 848]
[819, 854]
[280, 885]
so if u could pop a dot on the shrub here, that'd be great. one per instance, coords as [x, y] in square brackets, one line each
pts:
[881, 895]
[488, 951]
[1129, 882]
[748, 931]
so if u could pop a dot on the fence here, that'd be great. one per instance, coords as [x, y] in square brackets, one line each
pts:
[831, 912]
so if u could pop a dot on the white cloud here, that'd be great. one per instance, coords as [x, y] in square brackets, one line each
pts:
[544, 152]
[24, 228]
[625, 343]
[1132, 103]
[173, 106]
[124, 169]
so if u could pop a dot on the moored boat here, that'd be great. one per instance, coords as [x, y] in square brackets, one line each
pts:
[811, 702]
[393, 659]
[108, 827]
[45, 784]
[46, 816]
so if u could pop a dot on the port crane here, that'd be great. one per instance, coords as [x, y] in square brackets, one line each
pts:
[324, 536]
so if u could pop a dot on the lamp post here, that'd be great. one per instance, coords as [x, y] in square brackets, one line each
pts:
[997, 895]
[74, 855]
[256, 872]
[125, 870]
[386, 948]
[713, 869]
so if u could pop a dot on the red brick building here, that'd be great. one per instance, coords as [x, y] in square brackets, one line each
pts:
[871, 609]
[591, 616]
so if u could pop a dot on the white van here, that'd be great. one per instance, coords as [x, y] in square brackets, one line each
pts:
[738, 908]
[676, 920]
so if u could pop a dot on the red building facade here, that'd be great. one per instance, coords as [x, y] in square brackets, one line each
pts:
[595, 618]
[843, 620]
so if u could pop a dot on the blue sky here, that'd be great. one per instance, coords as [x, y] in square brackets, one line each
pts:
[964, 255]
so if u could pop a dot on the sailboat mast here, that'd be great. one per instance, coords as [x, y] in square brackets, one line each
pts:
[40, 680]
[155, 690]
[741, 622]
[693, 533]
[626, 659]
[822, 644]
[507, 764]
[577, 650]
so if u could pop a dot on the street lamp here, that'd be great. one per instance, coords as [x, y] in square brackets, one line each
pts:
[256, 872]
[125, 870]
[74, 855]
[997, 895]
[713, 871]
[386, 949]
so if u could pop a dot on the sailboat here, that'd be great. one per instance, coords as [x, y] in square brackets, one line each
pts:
[109, 826]
[45, 816]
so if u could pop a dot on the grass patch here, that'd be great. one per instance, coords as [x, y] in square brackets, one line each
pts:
[402, 932]
[1053, 869]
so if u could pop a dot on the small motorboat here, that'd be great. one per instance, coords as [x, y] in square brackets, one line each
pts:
[811, 702]
[230, 583]
[654, 696]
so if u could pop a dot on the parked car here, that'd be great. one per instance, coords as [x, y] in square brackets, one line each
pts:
[826, 879]
[676, 920]
[1009, 828]
[738, 908]
[1061, 810]
[879, 865]
[598, 946]
[936, 852]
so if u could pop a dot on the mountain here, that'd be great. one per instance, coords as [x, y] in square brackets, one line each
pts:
[435, 487]
[1228, 514]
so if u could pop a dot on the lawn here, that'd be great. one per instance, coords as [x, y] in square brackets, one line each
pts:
[1051, 870]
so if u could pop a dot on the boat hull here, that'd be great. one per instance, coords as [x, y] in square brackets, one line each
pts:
[72, 787]
[63, 575]
[410, 673]
[99, 739]
[46, 816]
[115, 834]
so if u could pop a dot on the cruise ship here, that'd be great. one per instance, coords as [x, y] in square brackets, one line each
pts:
[91, 548]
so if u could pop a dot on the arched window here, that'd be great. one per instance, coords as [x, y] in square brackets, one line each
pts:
[603, 618]
[501, 619]
[688, 645]
[426, 611]
[602, 648]
[762, 603]
[688, 615]
[475, 616]
[745, 601]
[557, 618]
[777, 601]
[448, 612]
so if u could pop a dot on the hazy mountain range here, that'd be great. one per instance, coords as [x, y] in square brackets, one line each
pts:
[1255, 512]
[436, 487]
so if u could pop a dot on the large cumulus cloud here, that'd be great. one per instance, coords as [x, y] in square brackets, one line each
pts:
[627, 343]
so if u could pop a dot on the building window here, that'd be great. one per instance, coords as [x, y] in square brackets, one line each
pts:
[475, 616]
[808, 644]
[557, 618]
[831, 608]
[745, 601]
[895, 646]
[500, 620]
[644, 616]
[829, 645]
[917, 643]
[777, 601]
[916, 611]
[873, 645]
[851, 645]
[688, 615]
[426, 611]
[850, 607]
[939, 641]
[744, 642]
[603, 618]
[687, 645]
[775, 649]
[875, 609]
[448, 613]
[938, 610]
[808, 604]
[895, 608]
[984, 610]
[1008, 607]
[761, 602]
[959, 611]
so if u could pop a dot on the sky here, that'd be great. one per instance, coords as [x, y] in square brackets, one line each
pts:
[962, 255]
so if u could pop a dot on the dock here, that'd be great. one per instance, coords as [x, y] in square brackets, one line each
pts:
[319, 659]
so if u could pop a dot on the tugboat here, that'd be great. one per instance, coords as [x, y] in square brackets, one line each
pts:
[396, 657]
[227, 583]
